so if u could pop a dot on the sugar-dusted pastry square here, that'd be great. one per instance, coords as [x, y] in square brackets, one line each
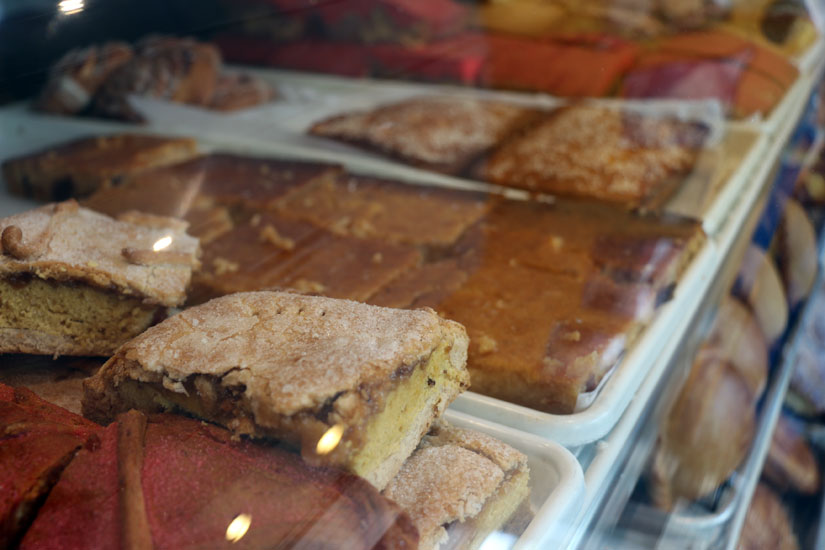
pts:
[599, 153]
[459, 486]
[80, 167]
[75, 282]
[441, 133]
[352, 385]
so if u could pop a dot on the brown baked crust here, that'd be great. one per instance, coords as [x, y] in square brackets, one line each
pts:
[235, 91]
[440, 133]
[274, 364]
[451, 477]
[598, 153]
[790, 463]
[82, 166]
[66, 243]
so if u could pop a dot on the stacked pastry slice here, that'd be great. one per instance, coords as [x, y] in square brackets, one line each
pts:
[352, 385]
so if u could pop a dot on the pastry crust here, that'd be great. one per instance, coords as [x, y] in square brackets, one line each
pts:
[459, 476]
[290, 366]
[440, 133]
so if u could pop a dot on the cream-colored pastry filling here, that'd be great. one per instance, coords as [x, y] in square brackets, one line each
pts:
[83, 314]
[408, 412]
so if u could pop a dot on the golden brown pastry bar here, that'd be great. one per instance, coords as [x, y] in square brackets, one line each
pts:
[302, 369]
[372, 208]
[76, 282]
[598, 153]
[444, 134]
[459, 486]
[270, 251]
[767, 524]
[80, 167]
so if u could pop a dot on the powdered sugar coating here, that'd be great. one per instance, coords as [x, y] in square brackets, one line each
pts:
[291, 352]
[593, 151]
[431, 130]
[73, 244]
[450, 477]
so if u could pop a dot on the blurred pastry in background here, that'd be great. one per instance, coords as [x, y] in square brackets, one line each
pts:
[706, 435]
[806, 395]
[767, 524]
[82, 166]
[791, 464]
[75, 79]
[98, 80]
[736, 337]
[796, 252]
[761, 286]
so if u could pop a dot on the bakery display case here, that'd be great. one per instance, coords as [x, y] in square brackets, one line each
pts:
[390, 274]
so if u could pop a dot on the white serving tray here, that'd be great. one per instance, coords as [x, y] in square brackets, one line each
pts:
[556, 486]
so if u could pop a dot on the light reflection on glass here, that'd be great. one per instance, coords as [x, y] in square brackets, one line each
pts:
[238, 527]
[330, 440]
[162, 243]
[69, 7]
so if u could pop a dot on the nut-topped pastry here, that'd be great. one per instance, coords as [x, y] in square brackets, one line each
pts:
[353, 385]
[75, 282]
[459, 486]
[440, 133]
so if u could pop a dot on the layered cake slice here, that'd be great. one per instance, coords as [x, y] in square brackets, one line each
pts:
[351, 384]
[37, 440]
[169, 482]
[440, 133]
[459, 486]
[75, 282]
[599, 153]
[80, 167]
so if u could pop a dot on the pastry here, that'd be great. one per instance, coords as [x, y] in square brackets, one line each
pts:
[459, 486]
[790, 463]
[75, 78]
[80, 167]
[168, 482]
[796, 252]
[218, 180]
[807, 390]
[598, 153]
[706, 434]
[439, 133]
[297, 368]
[760, 284]
[37, 440]
[561, 68]
[552, 301]
[767, 523]
[177, 69]
[75, 282]
[737, 338]
[372, 208]
[271, 251]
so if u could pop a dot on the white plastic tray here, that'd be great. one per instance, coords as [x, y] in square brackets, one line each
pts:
[556, 486]
[22, 131]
